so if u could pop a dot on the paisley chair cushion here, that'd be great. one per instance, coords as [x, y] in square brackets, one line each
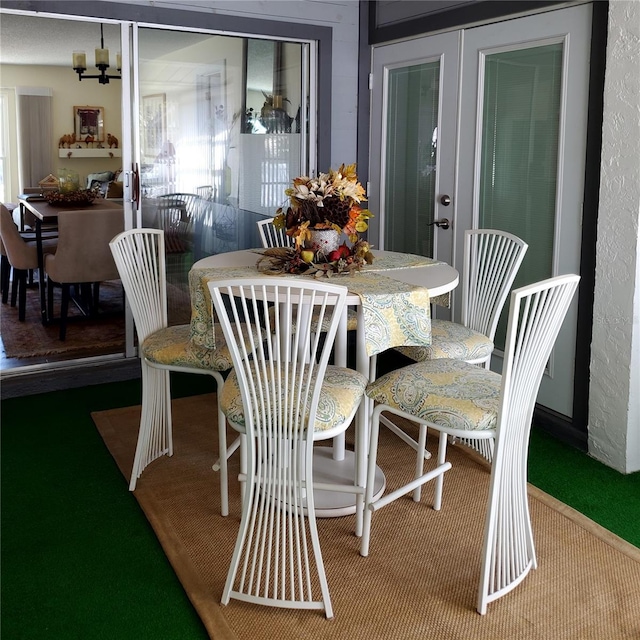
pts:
[449, 393]
[171, 347]
[451, 340]
[342, 390]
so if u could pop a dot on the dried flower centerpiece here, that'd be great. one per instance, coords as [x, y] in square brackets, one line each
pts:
[321, 210]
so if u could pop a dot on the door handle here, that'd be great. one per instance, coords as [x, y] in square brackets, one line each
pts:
[441, 224]
[135, 195]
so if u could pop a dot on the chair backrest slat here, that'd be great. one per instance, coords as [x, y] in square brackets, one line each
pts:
[139, 255]
[491, 262]
[536, 314]
[271, 236]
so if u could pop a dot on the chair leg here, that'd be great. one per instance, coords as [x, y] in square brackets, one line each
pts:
[96, 298]
[14, 287]
[64, 309]
[155, 437]
[222, 449]
[435, 473]
[371, 475]
[422, 445]
[5, 277]
[442, 454]
[21, 277]
[49, 285]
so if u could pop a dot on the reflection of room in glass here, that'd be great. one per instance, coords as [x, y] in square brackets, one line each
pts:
[272, 158]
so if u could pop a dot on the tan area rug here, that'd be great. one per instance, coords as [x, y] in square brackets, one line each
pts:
[421, 577]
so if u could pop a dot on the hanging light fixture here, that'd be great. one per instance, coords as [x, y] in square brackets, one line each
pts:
[102, 62]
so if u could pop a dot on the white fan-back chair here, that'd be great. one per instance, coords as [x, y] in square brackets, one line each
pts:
[491, 262]
[282, 399]
[492, 259]
[270, 236]
[140, 258]
[459, 399]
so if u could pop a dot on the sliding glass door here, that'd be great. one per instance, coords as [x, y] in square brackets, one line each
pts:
[211, 128]
[223, 129]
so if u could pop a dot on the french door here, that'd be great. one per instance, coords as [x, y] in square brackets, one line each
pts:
[486, 128]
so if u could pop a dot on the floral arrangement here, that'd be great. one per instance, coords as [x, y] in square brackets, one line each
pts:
[330, 201]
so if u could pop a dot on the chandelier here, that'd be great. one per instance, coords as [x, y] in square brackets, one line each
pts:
[102, 62]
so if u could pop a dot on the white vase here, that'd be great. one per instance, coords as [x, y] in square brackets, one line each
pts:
[323, 241]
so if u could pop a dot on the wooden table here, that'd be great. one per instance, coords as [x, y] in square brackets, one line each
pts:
[419, 274]
[45, 212]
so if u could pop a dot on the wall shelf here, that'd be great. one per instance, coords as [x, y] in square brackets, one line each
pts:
[89, 153]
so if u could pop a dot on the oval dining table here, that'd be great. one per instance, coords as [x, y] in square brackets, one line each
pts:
[415, 280]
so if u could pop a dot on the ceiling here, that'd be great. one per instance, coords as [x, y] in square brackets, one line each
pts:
[30, 40]
[34, 40]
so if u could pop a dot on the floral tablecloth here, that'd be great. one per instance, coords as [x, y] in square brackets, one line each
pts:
[395, 313]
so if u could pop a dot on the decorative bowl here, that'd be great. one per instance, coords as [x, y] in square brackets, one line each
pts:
[80, 198]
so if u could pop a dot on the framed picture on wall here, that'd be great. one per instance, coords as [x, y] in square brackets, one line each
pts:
[88, 124]
[154, 124]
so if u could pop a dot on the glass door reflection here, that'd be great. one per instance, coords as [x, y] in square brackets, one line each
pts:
[220, 140]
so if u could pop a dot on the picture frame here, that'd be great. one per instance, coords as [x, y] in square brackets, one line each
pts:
[88, 124]
[154, 124]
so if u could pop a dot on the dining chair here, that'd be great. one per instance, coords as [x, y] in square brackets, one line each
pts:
[206, 192]
[139, 255]
[492, 259]
[178, 214]
[82, 256]
[456, 398]
[271, 237]
[19, 257]
[282, 399]
[491, 262]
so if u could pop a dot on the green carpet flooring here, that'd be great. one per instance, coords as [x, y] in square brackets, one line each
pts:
[80, 561]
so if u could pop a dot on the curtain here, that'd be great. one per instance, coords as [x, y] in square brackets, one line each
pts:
[35, 134]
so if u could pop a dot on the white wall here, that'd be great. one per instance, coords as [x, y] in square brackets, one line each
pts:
[67, 93]
[614, 400]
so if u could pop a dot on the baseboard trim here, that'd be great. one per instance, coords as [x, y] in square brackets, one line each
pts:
[560, 427]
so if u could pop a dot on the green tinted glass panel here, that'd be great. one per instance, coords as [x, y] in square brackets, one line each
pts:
[410, 176]
[520, 129]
